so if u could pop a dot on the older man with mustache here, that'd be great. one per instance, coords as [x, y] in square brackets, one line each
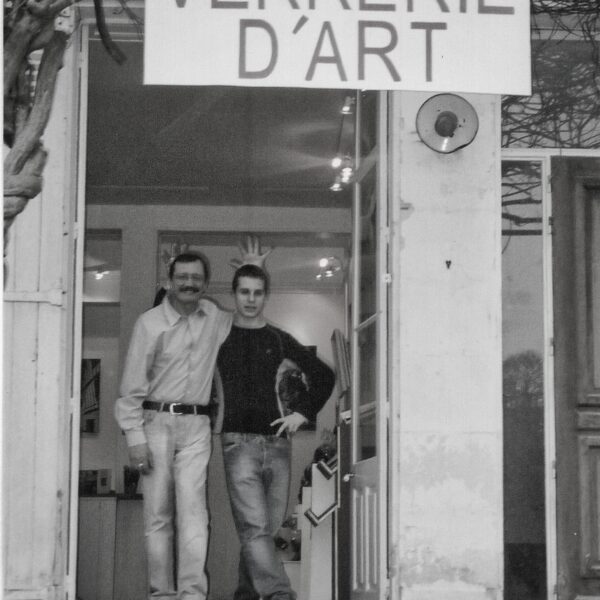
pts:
[163, 411]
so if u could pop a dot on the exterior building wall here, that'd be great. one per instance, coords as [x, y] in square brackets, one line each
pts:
[446, 407]
[37, 368]
[445, 355]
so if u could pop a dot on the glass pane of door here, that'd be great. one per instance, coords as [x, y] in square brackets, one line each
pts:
[366, 323]
[523, 381]
[367, 388]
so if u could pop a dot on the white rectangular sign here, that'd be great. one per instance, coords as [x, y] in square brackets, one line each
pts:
[431, 45]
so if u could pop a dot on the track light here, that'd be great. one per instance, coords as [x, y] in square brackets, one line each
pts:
[336, 186]
[348, 106]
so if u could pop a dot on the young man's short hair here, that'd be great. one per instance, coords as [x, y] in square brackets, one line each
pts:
[190, 257]
[250, 271]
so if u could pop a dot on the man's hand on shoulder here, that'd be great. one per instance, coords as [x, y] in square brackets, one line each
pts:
[140, 458]
[251, 253]
[289, 423]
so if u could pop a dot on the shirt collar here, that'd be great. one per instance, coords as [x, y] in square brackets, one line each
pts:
[173, 316]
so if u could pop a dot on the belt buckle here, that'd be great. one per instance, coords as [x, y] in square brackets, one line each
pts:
[172, 412]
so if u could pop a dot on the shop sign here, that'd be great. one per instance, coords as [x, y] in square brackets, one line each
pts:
[430, 45]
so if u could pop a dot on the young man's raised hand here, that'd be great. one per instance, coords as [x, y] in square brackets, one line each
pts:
[251, 253]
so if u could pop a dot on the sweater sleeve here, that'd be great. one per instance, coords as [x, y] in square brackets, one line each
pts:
[320, 377]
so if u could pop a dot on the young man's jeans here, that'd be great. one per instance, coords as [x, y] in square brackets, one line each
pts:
[257, 471]
[176, 485]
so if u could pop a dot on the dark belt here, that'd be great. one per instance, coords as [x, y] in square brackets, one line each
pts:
[176, 408]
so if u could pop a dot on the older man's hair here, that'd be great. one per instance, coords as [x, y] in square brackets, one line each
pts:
[190, 257]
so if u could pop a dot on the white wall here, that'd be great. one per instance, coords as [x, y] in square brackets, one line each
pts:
[446, 327]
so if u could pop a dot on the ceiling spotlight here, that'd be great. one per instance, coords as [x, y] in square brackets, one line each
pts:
[348, 106]
[336, 186]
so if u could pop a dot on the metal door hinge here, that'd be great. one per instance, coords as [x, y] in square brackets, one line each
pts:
[551, 346]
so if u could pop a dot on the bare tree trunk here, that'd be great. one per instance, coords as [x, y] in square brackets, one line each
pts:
[31, 25]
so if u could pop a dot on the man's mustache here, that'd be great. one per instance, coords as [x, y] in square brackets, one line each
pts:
[189, 288]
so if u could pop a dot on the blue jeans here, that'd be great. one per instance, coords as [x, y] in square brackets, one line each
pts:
[175, 503]
[257, 471]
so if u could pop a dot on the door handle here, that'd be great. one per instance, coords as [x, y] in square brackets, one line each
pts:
[348, 476]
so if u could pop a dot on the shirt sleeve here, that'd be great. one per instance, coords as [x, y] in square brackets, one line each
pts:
[135, 385]
[321, 378]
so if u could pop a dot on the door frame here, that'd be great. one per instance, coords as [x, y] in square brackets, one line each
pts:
[81, 37]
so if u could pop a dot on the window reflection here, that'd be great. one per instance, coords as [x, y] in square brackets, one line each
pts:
[367, 389]
[523, 388]
[368, 246]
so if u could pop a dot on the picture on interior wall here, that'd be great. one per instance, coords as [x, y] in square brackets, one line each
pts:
[90, 395]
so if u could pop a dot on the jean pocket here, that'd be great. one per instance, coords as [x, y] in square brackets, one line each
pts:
[149, 416]
[229, 441]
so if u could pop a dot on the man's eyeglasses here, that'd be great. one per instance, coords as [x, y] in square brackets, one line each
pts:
[182, 278]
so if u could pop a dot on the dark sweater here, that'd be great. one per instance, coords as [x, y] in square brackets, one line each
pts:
[248, 361]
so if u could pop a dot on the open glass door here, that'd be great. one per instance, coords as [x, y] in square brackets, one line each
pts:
[367, 476]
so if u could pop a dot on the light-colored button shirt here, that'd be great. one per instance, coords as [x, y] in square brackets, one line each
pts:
[171, 358]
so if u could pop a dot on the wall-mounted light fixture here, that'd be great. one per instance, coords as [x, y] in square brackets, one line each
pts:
[446, 123]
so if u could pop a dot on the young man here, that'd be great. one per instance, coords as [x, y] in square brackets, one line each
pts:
[163, 411]
[256, 431]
